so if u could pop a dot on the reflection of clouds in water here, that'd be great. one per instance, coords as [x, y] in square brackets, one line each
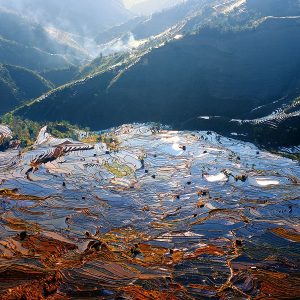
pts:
[216, 178]
[266, 181]
[184, 212]
[172, 144]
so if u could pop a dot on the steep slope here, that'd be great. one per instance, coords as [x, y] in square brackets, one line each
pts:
[210, 73]
[60, 76]
[19, 84]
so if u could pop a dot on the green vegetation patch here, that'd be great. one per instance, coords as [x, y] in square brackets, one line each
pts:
[26, 131]
[118, 169]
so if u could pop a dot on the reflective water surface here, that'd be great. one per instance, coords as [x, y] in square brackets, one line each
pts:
[148, 214]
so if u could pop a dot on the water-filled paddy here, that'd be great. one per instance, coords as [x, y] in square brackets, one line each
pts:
[153, 214]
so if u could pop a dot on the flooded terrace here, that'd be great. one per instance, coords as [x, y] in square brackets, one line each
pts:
[148, 213]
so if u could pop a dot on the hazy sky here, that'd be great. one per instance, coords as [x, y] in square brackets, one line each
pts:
[129, 3]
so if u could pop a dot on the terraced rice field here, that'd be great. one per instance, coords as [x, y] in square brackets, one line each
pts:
[151, 214]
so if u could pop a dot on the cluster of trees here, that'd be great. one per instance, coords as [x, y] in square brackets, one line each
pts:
[26, 131]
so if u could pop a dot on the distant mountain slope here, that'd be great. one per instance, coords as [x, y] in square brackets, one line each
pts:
[77, 16]
[192, 15]
[210, 73]
[146, 27]
[19, 84]
[28, 44]
[114, 32]
[29, 57]
[24, 31]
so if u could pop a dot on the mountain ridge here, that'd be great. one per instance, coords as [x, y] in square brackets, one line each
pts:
[284, 54]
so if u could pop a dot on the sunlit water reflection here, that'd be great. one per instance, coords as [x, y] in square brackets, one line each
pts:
[164, 215]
